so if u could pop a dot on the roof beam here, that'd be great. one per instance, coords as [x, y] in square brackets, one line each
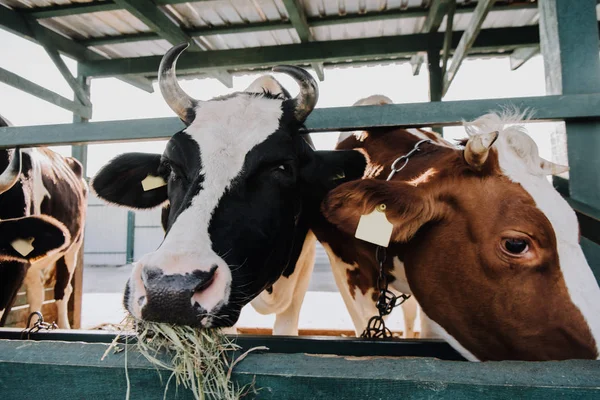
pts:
[521, 56]
[437, 11]
[40, 92]
[297, 17]
[276, 25]
[306, 53]
[71, 9]
[466, 41]
[448, 40]
[149, 13]
[20, 25]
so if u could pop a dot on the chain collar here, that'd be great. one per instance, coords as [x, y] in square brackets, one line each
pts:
[387, 300]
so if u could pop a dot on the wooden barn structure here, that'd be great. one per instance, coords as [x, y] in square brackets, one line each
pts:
[126, 39]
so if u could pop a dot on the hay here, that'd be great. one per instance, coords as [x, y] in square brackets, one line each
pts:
[199, 359]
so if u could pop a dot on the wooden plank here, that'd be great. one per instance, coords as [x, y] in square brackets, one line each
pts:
[63, 10]
[467, 40]
[76, 370]
[310, 52]
[446, 113]
[437, 10]
[42, 93]
[18, 315]
[522, 55]
[436, 80]
[21, 299]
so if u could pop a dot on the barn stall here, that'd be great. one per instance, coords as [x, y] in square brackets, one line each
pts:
[126, 39]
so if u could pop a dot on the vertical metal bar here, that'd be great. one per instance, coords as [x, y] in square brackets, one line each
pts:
[436, 80]
[569, 43]
[80, 153]
[130, 235]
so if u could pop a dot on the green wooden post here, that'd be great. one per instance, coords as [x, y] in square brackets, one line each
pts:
[130, 235]
[436, 80]
[569, 44]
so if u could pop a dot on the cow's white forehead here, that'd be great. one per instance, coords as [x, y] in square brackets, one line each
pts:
[519, 160]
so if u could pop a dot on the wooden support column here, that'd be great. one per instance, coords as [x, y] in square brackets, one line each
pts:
[436, 80]
[80, 153]
[569, 44]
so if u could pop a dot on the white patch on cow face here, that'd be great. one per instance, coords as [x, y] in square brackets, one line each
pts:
[225, 130]
[515, 154]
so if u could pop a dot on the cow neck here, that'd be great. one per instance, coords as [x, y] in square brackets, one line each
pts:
[387, 300]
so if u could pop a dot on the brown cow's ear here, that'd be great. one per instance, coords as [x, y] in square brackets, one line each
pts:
[407, 207]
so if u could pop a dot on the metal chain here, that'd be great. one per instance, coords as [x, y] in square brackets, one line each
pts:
[387, 300]
[37, 326]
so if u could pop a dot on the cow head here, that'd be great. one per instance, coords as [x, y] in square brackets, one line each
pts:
[23, 241]
[239, 182]
[490, 249]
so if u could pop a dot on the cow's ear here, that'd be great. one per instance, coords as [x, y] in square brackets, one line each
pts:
[29, 238]
[327, 169]
[123, 181]
[407, 207]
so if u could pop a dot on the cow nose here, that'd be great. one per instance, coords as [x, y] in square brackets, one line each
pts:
[169, 298]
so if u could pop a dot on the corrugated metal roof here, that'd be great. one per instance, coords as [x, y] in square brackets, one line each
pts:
[218, 13]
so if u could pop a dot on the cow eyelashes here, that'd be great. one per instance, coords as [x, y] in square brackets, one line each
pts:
[171, 171]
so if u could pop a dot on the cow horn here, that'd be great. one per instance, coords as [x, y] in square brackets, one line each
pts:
[551, 168]
[176, 98]
[478, 147]
[307, 99]
[11, 174]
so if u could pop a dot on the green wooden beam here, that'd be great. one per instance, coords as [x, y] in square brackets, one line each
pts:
[306, 53]
[20, 25]
[64, 10]
[437, 10]
[130, 236]
[467, 40]
[65, 370]
[446, 113]
[447, 47]
[40, 92]
[312, 22]
[522, 55]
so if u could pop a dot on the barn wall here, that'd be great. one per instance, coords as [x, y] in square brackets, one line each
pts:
[106, 233]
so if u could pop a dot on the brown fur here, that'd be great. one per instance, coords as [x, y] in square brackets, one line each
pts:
[448, 230]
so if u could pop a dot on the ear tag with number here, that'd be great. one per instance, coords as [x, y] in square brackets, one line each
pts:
[23, 246]
[152, 182]
[375, 227]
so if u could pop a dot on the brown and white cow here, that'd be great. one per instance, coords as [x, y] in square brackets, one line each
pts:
[480, 237]
[42, 214]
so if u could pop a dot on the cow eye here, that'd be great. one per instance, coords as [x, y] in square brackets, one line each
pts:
[284, 168]
[516, 246]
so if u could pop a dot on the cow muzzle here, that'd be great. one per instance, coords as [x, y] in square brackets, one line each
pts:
[190, 296]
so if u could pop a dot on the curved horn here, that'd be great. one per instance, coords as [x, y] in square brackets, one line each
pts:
[176, 98]
[478, 147]
[551, 168]
[11, 174]
[307, 99]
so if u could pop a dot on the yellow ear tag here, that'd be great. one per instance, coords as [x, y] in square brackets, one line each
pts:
[152, 182]
[375, 227]
[23, 246]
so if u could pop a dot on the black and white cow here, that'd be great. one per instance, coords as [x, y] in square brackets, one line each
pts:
[42, 214]
[242, 186]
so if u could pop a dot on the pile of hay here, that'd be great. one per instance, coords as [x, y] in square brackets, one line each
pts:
[199, 359]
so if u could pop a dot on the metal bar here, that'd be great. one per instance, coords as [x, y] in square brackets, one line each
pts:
[130, 235]
[40, 92]
[448, 39]
[522, 55]
[435, 80]
[437, 10]
[71, 9]
[80, 92]
[447, 113]
[306, 53]
[20, 25]
[467, 40]
[330, 20]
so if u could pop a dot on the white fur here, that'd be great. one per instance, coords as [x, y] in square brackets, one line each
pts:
[225, 130]
[519, 160]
